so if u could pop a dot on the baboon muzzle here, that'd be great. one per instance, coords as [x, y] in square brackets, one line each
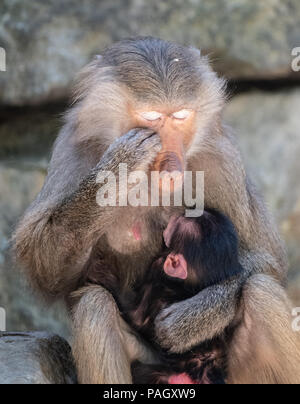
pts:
[170, 162]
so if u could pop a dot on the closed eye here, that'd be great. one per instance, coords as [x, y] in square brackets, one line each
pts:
[183, 114]
[151, 115]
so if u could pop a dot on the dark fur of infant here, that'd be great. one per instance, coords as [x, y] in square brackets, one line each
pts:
[199, 252]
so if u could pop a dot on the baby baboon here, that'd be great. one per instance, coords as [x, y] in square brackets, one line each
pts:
[200, 253]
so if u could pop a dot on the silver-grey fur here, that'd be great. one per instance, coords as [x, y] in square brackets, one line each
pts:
[62, 228]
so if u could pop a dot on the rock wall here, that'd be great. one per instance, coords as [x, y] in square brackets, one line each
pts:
[46, 43]
[35, 358]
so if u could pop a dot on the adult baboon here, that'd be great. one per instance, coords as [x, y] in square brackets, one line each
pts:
[172, 95]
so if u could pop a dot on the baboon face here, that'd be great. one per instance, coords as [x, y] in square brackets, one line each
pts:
[176, 128]
[173, 92]
[151, 83]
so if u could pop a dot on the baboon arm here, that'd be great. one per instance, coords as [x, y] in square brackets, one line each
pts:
[54, 240]
[206, 315]
[186, 324]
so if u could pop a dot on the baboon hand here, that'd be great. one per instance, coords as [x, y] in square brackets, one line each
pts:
[173, 328]
[138, 149]
[186, 324]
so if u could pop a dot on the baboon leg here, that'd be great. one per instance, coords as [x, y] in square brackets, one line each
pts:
[99, 346]
[265, 349]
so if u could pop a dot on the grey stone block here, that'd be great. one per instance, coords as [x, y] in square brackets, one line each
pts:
[35, 358]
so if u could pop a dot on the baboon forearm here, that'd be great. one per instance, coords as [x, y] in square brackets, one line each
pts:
[53, 242]
[215, 308]
[206, 315]
[184, 325]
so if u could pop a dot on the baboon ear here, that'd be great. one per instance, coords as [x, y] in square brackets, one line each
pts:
[176, 266]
